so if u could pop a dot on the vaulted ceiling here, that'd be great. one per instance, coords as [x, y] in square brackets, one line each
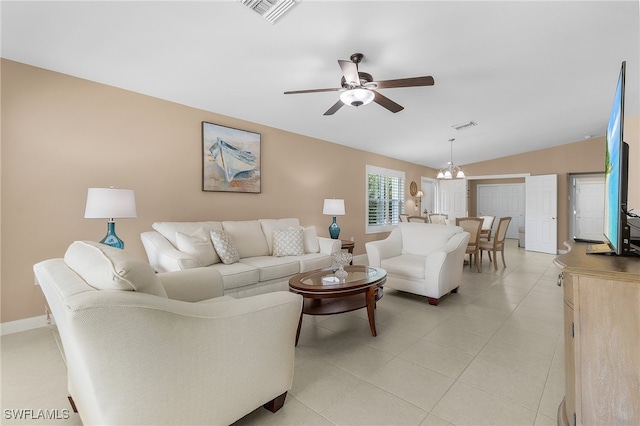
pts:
[531, 74]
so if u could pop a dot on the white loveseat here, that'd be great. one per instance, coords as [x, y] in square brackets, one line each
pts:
[167, 348]
[174, 246]
[421, 258]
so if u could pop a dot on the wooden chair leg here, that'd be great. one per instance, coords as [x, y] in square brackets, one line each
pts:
[276, 403]
[478, 265]
[73, 404]
[495, 260]
[503, 262]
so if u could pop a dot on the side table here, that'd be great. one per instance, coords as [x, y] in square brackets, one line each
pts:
[348, 245]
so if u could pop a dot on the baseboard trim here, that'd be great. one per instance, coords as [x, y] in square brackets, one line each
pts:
[26, 324]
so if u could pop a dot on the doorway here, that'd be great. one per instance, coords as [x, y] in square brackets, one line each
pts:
[502, 200]
[586, 206]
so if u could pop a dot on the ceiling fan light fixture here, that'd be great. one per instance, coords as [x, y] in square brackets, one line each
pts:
[357, 97]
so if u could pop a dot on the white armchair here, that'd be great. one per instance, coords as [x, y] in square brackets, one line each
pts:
[146, 348]
[421, 258]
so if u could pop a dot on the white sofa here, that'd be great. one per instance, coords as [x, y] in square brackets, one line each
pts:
[168, 348]
[421, 258]
[174, 246]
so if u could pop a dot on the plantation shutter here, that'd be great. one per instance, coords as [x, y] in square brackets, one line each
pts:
[385, 198]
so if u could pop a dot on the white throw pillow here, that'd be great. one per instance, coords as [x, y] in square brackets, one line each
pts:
[288, 242]
[109, 268]
[198, 245]
[310, 240]
[225, 247]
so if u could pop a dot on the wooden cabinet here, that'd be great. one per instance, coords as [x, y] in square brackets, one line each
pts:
[602, 339]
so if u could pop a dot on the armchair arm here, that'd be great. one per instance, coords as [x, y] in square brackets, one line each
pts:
[192, 285]
[163, 256]
[328, 245]
[443, 268]
[379, 250]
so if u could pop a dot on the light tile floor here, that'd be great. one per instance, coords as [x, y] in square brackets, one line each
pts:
[491, 354]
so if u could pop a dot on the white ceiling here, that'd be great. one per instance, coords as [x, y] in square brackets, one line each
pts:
[531, 74]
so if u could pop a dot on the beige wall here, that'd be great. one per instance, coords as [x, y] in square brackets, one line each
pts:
[579, 157]
[62, 135]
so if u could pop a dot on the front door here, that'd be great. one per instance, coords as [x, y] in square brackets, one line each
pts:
[587, 204]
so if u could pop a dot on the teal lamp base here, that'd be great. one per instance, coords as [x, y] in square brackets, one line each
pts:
[334, 229]
[111, 239]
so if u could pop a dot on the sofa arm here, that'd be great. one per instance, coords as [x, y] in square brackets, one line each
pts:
[379, 250]
[202, 361]
[192, 285]
[329, 245]
[163, 256]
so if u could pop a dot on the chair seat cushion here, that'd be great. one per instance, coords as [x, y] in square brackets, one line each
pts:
[406, 265]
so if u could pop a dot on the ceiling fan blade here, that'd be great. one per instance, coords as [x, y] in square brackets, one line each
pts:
[386, 102]
[405, 82]
[293, 92]
[350, 72]
[334, 108]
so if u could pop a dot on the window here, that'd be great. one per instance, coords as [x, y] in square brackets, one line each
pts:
[385, 199]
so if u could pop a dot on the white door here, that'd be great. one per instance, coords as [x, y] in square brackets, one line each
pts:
[453, 197]
[588, 208]
[502, 200]
[541, 229]
[429, 188]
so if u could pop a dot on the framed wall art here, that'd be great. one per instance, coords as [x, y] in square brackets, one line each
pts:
[230, 159]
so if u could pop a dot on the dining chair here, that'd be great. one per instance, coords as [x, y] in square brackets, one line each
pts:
[421, 219]
[487, 225]
[472, 225]
[497, 245]
[438, 218]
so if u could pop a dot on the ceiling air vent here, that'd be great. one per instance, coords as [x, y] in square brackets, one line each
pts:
[466, 125]
[271, 10]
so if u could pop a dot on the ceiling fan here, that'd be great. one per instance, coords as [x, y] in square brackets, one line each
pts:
[359, 88]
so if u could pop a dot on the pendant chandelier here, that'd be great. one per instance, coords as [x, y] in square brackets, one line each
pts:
[451, 170]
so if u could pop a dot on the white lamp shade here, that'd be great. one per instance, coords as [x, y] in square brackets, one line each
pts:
[333, 207]
[110, 203]
[357, 97]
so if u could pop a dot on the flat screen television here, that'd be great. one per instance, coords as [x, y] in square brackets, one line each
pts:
[616, 229]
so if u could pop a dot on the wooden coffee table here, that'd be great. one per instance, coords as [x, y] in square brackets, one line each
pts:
[363, 287]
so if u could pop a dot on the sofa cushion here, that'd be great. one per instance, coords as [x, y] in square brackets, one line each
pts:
[288, 242]
[268, 225]
[248, 237]
[423, 238]
[237, 274]
[310, 240]
[406, 265]
[108, 268]
[169, 229]
[313, 261]
[272, 268]
[199, 245]
[225, 247]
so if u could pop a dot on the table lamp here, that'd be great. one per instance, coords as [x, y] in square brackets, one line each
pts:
[110, 203]
[333, 207]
